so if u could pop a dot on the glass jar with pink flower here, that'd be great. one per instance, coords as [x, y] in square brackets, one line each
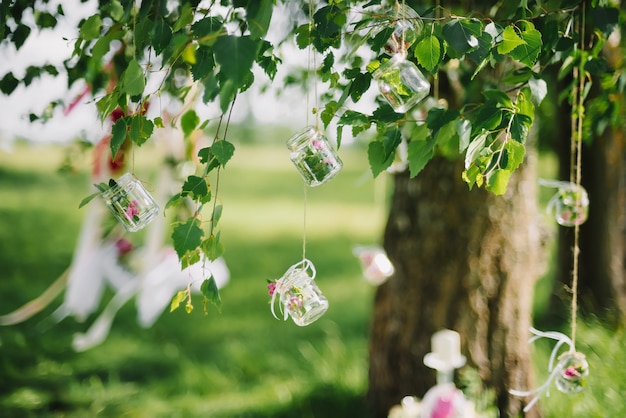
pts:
[313, 156]
[130, 202]
[298, 295]
[573, 371]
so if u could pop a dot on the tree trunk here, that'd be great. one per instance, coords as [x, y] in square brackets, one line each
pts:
[467, 261]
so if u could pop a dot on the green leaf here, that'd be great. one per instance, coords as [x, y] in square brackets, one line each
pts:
[489, 118]
[223, 151]
[185, 18]
[329, 111]
[187, 236]
[45, 20]
[475, 148]
[8, 83]
[207, 26]
[178, 298]
[174, 200]
[498, 181]
[235, 55]
[464, 131]
[518, 76]
[20, 35]
[210, 291]
[119, 135]
[90, 28]
[378, 159]
[189, 121]
[428, 53]
[133, 81]
[538, 88]
[161, 35]
[510, 40]
[217, 214]
[528, 52]
[141, 129]
[227, 93]
[212, 247]
[88, 199]
[438, 117]
[420, 152]
[196, 186]
[520, 126]
[499, 97]
[462, 35]
[259, 16]
[515, 152]
[204, 63]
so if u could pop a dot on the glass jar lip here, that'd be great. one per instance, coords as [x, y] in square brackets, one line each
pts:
[302, 137]
[395, 59]
[120, 183]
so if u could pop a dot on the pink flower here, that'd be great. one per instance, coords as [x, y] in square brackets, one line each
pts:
[132, 210]
[317, 144]
[123, 246]
[271, 288]
[571, 372]
[295, 302]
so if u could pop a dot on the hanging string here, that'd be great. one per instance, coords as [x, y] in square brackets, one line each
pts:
[311, 63]
[576, 168]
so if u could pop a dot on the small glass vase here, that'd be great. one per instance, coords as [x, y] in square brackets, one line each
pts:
[573, 371]
[401, 83]
[130, 203]
[299, 296]
[570, 205]
[407, 25]
[313, 156]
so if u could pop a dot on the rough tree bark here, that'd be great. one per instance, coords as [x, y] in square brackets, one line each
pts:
[465, 260]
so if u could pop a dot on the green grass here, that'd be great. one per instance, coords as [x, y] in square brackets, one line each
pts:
[242, 362]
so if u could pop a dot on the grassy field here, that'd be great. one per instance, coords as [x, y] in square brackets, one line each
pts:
[242, 362]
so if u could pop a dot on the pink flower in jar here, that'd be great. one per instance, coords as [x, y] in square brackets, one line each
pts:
[571, 371]
[132, 210]
[317, 144]
[295, 302]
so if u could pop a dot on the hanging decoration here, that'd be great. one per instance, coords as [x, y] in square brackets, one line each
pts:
[407, 25]
[296, 292]
[400, 82]
[570, 205]
[313, 156]
[298, 295]
[569, 371]
[129, 201]
[375, 264]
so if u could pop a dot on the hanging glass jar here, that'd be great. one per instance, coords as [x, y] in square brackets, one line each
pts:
[298, 294]
[573, 371]
[313, 156]
[570, 204]
[407, 25]
[401, 83]
[130, 202]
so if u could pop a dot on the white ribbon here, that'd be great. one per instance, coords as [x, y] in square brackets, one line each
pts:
[554, 371]
[284, 284]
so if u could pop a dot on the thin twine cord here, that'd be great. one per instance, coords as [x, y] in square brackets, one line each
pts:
[311, 62]
[577, 139]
